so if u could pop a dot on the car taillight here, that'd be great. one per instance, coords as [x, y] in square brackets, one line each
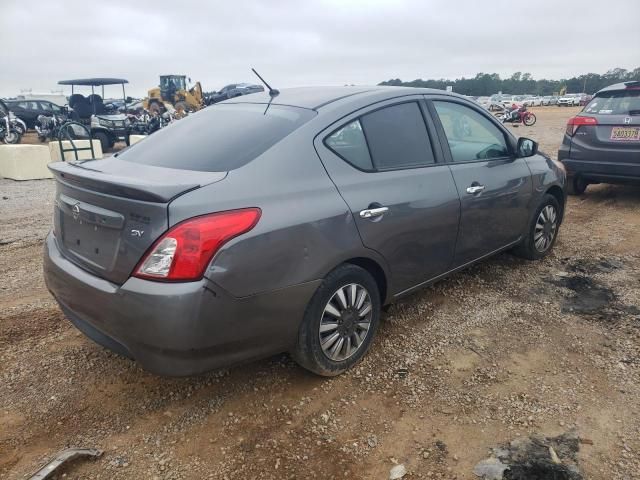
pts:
[574, 123]
[185, 250]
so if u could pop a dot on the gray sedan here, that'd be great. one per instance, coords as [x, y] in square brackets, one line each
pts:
[285, 222]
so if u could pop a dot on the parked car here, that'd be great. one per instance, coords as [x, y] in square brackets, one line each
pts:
[585, 99]
[570, 100]
[29, 110]
[499, 100]
[234, 90]
[548, 100]
[533, 101]
[484, 102]
[283, 228]
[602, 143]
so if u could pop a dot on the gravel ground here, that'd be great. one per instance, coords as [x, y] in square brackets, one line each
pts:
[504, 350]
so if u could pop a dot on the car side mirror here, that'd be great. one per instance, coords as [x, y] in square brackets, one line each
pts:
[526, 147]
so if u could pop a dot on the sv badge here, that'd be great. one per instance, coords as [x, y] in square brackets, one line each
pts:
[137, 233]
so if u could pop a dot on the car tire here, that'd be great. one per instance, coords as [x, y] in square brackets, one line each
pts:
[103, 138]
[325, 347]
[576, 185]
[544, 223]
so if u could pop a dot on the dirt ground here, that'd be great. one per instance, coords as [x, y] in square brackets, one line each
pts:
[503, 350]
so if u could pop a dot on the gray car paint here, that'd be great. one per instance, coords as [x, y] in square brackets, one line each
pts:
[253, 296]
[591, 154]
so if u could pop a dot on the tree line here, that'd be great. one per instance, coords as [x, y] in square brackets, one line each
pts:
[485, 84]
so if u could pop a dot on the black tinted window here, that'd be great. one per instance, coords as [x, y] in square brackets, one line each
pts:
[219, 138]
[350, 144]
[397, 137]
[470, 134]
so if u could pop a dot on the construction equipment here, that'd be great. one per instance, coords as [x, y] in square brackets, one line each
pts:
[173, 91]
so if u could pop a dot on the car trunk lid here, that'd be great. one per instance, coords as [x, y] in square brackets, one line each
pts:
[614, 139]
[109, 212]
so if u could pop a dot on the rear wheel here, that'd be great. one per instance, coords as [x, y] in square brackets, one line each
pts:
[576, 185]
[529, 119]
[542, 231]
[339, 322]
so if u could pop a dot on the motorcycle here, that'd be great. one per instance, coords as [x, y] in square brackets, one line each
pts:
[48, 127]
[8, 133]
[17, 123]
[140, 123]
[523, 116]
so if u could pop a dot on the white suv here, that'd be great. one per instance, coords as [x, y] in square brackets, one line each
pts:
[570, 100]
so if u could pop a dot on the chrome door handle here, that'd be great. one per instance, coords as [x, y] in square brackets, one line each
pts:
[475, 189]
[373, 212]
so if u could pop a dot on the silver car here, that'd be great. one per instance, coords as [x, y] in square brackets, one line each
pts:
[285, 222]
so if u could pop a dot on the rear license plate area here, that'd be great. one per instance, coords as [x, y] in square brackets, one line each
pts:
[625, 134]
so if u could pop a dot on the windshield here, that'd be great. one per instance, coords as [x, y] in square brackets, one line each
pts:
[219, 138]
[617, 102]
[173, 82]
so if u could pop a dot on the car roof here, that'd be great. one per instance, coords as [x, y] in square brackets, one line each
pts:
[620, 86]
[314, 98]
[95, 82]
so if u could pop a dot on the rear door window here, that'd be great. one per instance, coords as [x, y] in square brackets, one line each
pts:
[390, 138]
[616, 102]
[219, 138]
[397, 137]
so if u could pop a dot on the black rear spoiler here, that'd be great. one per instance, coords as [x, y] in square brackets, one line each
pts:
[132, 180]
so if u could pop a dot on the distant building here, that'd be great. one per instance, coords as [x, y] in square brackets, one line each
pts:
[55, 96]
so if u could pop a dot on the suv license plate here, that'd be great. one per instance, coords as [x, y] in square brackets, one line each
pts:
[625, 134]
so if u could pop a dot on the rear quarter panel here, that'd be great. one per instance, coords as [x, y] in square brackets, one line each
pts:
[305, 230]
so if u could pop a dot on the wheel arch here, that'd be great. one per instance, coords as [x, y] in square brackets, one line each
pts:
[559, 195]
[376, 271]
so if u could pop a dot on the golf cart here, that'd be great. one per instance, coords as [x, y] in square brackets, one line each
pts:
[107, 127]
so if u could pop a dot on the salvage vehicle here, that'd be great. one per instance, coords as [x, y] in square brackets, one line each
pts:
[289, 225]
[29, 110]
[232, 91]
[602, 142]
[106, 127]
[570, 100]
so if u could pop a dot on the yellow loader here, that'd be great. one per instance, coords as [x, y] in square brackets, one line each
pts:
[173, 91]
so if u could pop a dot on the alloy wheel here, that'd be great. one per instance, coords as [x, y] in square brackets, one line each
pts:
[546, 228]
[345, 323]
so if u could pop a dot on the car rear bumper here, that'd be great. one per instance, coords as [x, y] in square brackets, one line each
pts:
[601, 171]
[175, 328]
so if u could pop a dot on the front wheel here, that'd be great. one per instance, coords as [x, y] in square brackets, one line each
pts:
[12, 136]
[529, 119]
[103, 138]
[542, 231]
[340, 322]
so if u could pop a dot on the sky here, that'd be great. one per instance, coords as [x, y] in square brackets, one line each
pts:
[313, 42]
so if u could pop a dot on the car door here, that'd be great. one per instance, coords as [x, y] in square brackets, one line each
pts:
[18, 109]
[401, 194]
[495, 186]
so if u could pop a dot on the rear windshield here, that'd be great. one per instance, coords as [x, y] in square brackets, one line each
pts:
[219, 138]
[616, 102]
